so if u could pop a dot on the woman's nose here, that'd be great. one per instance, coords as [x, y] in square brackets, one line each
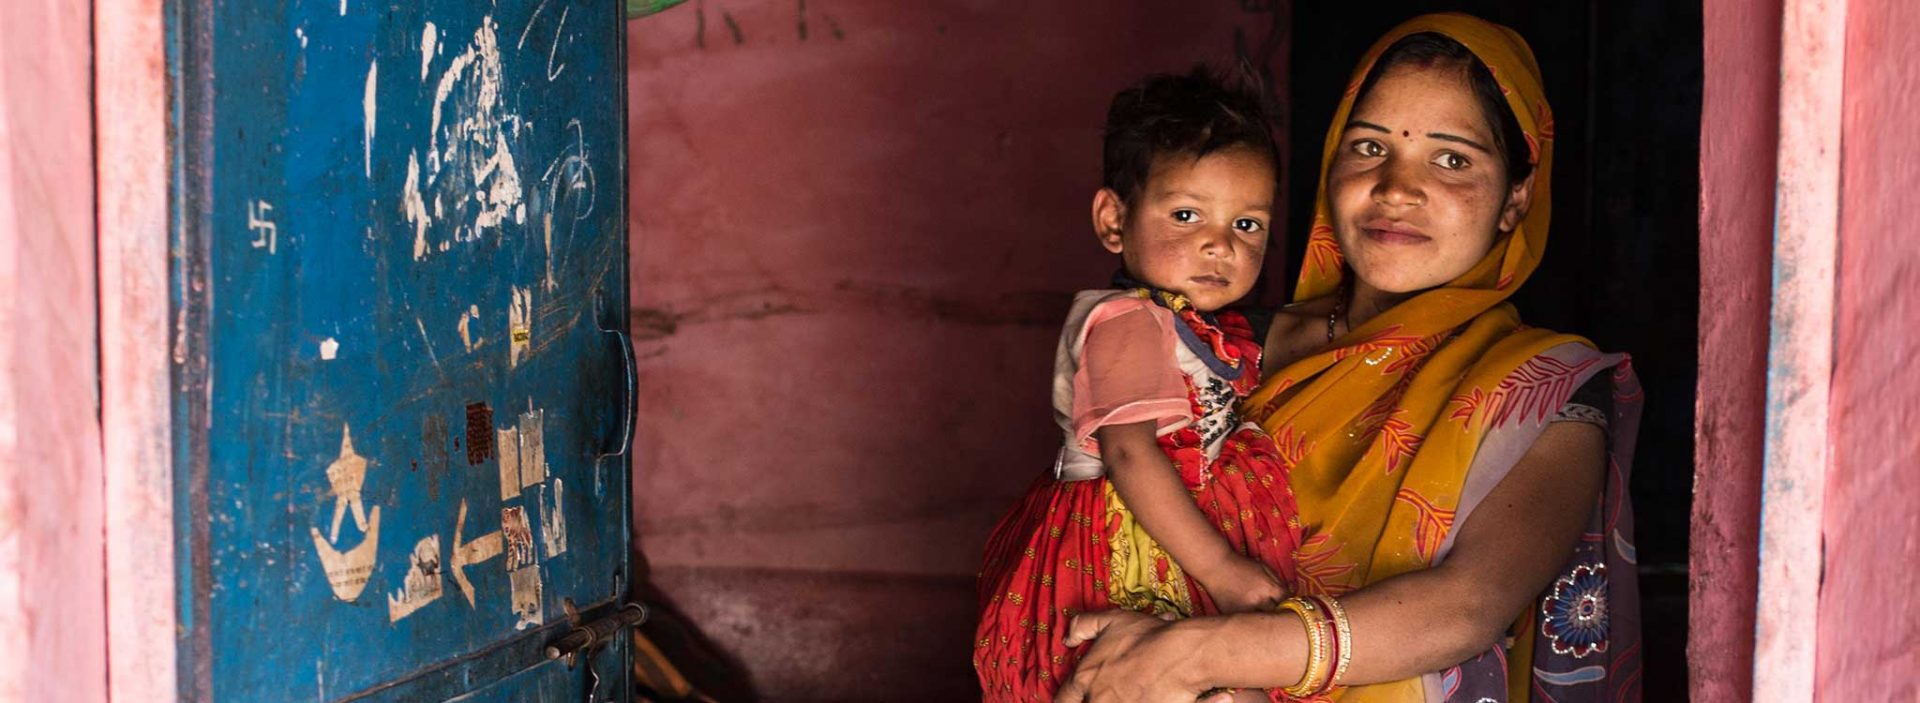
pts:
[1400, 186]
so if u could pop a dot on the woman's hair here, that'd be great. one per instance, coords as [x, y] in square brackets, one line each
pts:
[1429, 49]
[1194, 114]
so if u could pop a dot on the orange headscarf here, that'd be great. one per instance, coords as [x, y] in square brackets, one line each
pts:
[1381, 428]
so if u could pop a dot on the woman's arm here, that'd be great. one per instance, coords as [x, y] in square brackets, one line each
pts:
[1147, 481]
[1507, 551]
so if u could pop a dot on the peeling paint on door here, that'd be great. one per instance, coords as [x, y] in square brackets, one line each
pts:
[533, 447]
[519, 325]
[553, 521]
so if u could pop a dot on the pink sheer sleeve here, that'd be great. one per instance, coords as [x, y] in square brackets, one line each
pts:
[1128, 372]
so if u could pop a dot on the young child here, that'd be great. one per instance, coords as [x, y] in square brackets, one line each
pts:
[1162, 500]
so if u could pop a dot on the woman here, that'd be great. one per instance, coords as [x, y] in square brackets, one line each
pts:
[1462, 477]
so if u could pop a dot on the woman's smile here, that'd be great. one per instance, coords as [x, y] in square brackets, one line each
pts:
[1392, 232]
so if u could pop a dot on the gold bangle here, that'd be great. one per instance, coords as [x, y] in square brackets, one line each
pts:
[1317, 662]
[1342, 639]
[1328, 634]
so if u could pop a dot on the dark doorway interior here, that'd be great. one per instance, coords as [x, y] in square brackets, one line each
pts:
[1623, 77]
[856, 227]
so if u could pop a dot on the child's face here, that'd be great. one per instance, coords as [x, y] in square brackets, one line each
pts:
[1417, 191]
[1197, 228]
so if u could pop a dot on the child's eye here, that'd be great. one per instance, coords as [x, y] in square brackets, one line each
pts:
[1247, 224]
[1369, 148]
[1451, 161]
[1185, 216]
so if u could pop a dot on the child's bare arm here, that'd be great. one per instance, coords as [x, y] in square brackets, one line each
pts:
[1146, 480]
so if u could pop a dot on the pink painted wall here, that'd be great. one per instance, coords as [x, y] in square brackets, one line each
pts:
[52, 590]
[1869, 639]
[856, 226]
[1738, 138]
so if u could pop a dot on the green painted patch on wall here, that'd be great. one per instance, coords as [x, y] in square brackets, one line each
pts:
[641, 8]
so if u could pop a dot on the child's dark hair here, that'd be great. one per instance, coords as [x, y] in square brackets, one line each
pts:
[1194, 114]
[1428, 49]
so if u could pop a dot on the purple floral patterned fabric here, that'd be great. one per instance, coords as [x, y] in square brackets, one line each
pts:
[1581, 641]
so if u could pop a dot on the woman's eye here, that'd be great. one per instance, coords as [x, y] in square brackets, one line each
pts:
[1451, 161]
[1246, 224]
[1369, 148]
[1185, 216]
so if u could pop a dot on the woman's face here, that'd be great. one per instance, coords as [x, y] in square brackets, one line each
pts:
[1416, 189]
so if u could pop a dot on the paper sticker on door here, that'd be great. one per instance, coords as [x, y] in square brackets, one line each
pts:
[423, 584]
[347, 570]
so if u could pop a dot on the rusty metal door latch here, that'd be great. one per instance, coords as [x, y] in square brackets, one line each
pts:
[584, 637]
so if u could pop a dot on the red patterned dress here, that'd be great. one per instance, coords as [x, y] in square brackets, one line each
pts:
[1071, 545]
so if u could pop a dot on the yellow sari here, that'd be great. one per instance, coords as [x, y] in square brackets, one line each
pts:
[1384, 428]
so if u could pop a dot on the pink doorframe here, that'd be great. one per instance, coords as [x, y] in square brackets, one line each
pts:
[131, 111]
[1800, 363]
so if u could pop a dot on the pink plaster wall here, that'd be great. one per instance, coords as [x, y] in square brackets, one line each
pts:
[1738, 135]
[1869, 639]
[52, 624]
[852, 251]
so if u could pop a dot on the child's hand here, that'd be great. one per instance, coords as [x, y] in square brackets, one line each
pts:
[1244, 585]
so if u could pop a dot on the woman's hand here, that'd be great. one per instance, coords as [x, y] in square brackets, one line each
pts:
[1242, 585]
[1132, 658]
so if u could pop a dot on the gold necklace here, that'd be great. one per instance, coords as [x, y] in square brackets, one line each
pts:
[1339, 306]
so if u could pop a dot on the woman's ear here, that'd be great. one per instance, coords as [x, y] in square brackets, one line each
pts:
[1519, 201]
[1109, 218]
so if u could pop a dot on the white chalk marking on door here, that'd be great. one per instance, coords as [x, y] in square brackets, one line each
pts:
[552, 72]
[428, 341]
[553, 521]
[369, 106]
[533, 447]
[266, 235]
[423, 584]
[482, 548]
[329, 348]
[519, 325]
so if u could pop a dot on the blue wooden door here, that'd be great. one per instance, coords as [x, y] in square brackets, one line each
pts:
[402, 397]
